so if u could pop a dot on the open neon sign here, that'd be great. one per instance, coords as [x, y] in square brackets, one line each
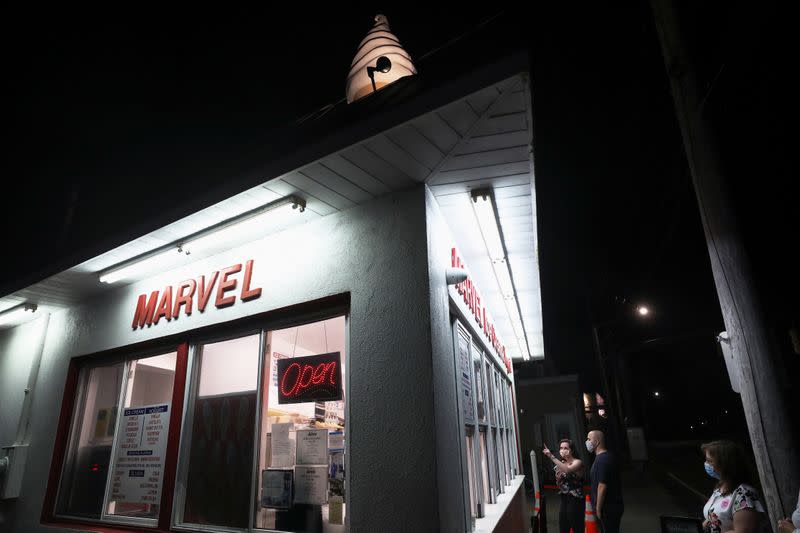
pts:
[316, 378]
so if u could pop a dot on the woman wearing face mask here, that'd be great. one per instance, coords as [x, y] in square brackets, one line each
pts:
[734, 505]
[569, 478]
[791, 526]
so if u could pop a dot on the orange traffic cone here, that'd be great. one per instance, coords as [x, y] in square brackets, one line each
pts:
[590, 522]
[539, 517]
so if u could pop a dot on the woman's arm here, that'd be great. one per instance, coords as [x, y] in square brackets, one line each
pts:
[576, 465]
[745, 521]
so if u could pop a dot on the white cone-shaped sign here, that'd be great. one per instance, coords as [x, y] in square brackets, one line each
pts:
[379, 61]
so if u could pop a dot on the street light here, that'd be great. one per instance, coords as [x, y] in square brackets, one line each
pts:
[643, 310]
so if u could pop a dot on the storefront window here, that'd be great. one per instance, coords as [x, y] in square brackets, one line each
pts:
[479, 393]
[219, 430]
[88, 458]
[140, 446]
[488, 496]
[500, 432]
[114, 467]
[300, 481]
[262, 439]
[473, 486]
[490, 394]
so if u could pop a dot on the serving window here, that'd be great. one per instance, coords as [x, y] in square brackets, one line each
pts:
[218, 433]
[300, 481]
[116, 457]
[487, 418]
[260, 444]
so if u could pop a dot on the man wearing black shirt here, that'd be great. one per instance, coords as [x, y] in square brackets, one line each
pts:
[606, 486]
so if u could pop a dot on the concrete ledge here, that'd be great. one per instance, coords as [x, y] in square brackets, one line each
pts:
[509, 513]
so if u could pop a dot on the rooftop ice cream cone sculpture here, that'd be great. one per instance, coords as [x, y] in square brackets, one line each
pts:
[379, 61]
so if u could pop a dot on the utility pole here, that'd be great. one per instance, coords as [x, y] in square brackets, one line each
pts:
[766, 410]
[616, 422]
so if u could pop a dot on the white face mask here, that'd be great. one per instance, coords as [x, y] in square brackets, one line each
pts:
[590, 446]
[564, 453]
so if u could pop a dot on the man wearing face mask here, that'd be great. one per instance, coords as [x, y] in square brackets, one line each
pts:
[606, 485]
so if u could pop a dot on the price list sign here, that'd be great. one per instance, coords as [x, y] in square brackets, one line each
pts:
[138, 469]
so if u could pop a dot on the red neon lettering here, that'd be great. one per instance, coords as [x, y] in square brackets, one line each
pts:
[225, 285]
[318, 375]
[291, 391]
[307, 370]
[469, 292]
[184, 299]
[144, 312]
[205, 292]
[302, 378]
[247, 293]
[165, 306]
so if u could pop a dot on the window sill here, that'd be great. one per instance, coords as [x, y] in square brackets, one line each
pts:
[85, 526]
[496, 511]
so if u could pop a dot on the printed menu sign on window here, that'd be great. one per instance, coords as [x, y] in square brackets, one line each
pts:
[464, 370]
[316, 378]
[138, 468]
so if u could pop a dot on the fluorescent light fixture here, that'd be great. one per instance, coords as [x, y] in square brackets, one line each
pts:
[147, 263]
[256, 222]
[486, 214]
[17, 313]
[483, 205]
[503, 275]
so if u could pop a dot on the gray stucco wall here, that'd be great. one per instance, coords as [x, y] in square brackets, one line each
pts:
[378, 253]
[450, 452]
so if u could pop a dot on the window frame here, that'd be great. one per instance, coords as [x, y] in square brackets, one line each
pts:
[185, 344]
[82, 380]
[73, 400]
[298, 320]
[495, 432]
[181, 472]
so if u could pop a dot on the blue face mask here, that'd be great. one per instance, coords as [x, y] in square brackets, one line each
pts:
[711, 472]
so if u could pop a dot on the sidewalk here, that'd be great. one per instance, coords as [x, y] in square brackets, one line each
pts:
[646, 500]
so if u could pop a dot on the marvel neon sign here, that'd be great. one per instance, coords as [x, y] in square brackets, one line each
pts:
[150, 310]
[472, 298]
[310, 379]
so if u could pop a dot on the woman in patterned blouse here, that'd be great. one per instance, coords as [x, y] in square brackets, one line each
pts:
[569, 477]
[734, 505]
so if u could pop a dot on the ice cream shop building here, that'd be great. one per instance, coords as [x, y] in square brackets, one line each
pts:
[326, 345]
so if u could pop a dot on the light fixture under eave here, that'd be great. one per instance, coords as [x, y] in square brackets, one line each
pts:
[486, 214]
[17, 313]
[256, 222]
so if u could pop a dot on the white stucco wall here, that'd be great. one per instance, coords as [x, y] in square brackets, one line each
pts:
[376, 252]
[448, 410]
[19, 347]
[450, 452]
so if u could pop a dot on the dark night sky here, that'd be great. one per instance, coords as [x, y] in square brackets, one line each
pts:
[108, 105]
